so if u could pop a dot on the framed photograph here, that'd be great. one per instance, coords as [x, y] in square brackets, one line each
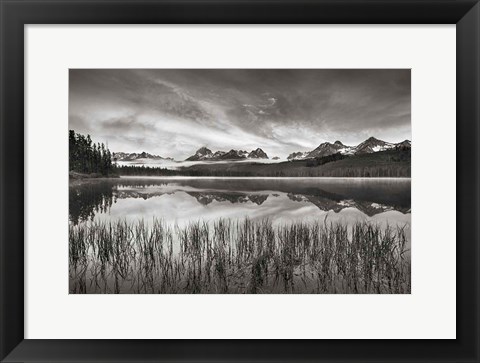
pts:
[240, 181]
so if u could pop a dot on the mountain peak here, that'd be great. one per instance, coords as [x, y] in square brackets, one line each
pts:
[203, 150]
[327, 148]
[372, 145]
[258, 154]
[300, 155]
[206, 154]
[200, 154]
[124, 156]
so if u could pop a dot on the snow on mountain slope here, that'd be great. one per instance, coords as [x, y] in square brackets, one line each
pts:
[121, 156]
[206, 154]
[371, 145]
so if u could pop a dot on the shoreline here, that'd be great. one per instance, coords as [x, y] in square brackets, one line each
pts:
[74, 176]
[261, 177]
[79, 180]
[77, 175]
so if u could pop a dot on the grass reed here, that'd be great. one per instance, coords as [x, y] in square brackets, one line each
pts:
[238, 256]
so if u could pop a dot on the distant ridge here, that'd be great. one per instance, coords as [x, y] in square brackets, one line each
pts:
[206, 154]
[121, 156]
[371, 145]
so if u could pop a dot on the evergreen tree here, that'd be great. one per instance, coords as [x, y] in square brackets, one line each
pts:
[88, 157]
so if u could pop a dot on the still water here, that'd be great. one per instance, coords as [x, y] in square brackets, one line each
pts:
[181, 200]
[243, 235]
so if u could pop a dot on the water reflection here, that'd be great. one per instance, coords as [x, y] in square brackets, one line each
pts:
[210, 198]
[88, 199]
[239, 236]
[206, 198]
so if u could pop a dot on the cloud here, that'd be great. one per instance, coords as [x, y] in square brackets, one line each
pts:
[171, 110]
[123, 124]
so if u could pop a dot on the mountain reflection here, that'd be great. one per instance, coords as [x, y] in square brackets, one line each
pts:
[367, 207]
[91, 197]
[206, 198]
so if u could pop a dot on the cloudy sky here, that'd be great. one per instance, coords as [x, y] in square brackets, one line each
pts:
[172, 112]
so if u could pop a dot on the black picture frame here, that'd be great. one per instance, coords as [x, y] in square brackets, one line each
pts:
[15, 14]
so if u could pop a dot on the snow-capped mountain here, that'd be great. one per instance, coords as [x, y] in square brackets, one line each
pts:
[206, 154]
[327, 148]
[121, 156]
[371, 145]
[324, 149]
[257, 154]
[201, 154]
[298, 155]
[234, 155]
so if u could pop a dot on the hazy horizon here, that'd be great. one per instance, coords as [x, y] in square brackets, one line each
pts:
[172, 113]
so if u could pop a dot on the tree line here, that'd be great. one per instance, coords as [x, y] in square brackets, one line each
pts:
[88, 157]
[365, 171]
[143, 170]
[325, 159]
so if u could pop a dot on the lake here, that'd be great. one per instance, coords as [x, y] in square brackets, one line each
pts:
[190, 208]
[181, 200]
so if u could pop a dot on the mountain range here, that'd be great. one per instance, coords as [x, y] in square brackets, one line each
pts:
[206, 154]
[121, 156]
[371, 145]
[323, 200]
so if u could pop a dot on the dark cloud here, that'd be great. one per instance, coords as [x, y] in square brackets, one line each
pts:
[123, 124]
[176, 111]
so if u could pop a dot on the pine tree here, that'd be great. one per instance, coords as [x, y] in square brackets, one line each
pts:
[88, 157]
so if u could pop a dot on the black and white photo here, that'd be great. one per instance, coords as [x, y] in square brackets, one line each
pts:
[240, 181]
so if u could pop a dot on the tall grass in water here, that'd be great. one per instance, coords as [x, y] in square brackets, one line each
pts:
[244, 256]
